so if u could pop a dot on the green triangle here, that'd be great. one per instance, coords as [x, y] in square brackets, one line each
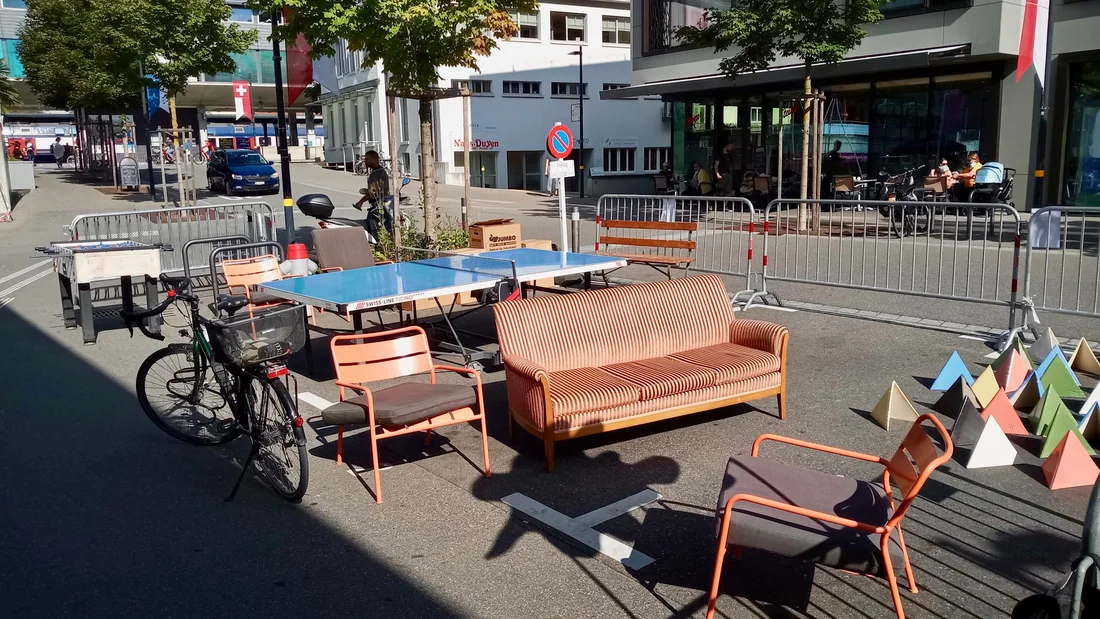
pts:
[1018, 345]
[1059, 376]
[1044, 411]
[1062, 424]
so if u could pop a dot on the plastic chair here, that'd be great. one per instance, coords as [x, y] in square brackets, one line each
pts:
[244, 273]
[403, 408]
[783, 509]
[343, 249]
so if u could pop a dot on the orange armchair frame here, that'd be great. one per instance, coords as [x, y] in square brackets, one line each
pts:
[244, 273]
[366, 357]
[916, 448]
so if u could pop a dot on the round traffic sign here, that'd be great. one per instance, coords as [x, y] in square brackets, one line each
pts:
[559, 142]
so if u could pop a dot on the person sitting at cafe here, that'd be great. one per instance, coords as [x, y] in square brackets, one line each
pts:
[963, 188]
[944, 170]
[701, 183]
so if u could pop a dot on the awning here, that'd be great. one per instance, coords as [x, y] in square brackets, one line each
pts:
[911, 59]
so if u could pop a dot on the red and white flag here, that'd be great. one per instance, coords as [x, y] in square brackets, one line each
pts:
[1033, 39]
[242, 100]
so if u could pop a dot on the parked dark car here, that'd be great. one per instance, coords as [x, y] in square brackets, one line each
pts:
[240, 170]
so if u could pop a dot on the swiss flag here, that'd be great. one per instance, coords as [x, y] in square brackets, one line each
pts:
[1033, 39]
[242, 100]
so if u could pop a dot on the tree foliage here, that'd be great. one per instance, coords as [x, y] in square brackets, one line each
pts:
[9, 96]
[762, 31]
[92, 53]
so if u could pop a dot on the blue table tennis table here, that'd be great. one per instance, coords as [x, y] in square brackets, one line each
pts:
[497, 274]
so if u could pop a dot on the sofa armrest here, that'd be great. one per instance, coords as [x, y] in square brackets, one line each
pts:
[759, 334]
[528, 387]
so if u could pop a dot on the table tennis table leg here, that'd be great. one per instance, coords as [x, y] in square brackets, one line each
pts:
[357, 322]
[309, 344]
[588, 280]
[466, 357]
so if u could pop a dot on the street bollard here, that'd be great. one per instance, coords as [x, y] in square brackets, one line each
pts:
[465, 220]
[575, 230]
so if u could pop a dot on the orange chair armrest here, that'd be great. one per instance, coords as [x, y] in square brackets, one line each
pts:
[801, 511]
[458, 370]
[353, 387]
[381, 262]
[331, 269]
[815, 446]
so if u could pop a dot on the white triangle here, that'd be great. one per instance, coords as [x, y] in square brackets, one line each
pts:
[992, 449]
[1042, 346]
[1092, 400]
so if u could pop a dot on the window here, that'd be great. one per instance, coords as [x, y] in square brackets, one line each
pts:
[909, 7]
[528, 25]
[616, 30]
[1081, 185]
[15, 4]
[568, 89]
[654, 158]
[531, 89]
[11, 55]
[607, 86]
[477, 87]
[239, 13]
[566, 27]
[618, 159]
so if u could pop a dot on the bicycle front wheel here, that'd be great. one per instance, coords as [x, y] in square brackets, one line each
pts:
[181, 395]
[282, 445]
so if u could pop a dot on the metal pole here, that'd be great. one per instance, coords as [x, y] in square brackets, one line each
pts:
[465, 155]
[580, 90]
[148, 138]
[280, 137]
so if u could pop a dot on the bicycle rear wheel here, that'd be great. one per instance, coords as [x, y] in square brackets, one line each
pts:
[182, 397]
[282, 446]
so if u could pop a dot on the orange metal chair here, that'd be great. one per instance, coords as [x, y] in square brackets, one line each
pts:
[244, 273]
[826, 519]
[404, 408]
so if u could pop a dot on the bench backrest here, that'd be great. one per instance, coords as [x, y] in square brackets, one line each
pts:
[660, 238]
[616, 325]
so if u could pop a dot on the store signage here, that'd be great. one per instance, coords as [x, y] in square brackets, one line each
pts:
[620, 142]
[478, 144]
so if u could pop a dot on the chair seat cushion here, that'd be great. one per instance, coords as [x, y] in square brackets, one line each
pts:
[402, 404]
[263, 298]
[587, 389]
[801, 537]
[662, 376]
[731, 362]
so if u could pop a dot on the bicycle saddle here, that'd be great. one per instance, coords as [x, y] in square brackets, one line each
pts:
[179, 284]
[230, 303]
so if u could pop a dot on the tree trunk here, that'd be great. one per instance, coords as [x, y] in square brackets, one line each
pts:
[804, 176]
[427, 165]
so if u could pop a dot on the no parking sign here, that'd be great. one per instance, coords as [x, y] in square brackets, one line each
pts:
[559, 142]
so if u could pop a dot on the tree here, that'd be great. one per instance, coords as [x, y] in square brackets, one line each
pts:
[9, 96]
[412, 39]
[814, 31]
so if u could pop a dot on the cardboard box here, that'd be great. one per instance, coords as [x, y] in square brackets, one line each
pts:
[494, 234]
[464, 298]
[541, 244]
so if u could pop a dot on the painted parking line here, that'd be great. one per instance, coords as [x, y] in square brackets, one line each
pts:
[581, 528]
[974, 338]
[25, 270]
[26, 282]
[315, 401]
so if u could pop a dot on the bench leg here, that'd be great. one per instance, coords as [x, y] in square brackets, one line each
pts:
[548, 449]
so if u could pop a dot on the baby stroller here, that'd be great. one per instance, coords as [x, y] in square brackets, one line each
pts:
[1085, 595]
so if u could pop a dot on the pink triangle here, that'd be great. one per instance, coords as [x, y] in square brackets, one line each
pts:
[1000, 408]
[1012, 372]
[1069, 465]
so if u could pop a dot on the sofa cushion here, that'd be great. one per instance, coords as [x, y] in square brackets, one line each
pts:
[662, 376]
[585, 389]
[731, 362]
[402, 404]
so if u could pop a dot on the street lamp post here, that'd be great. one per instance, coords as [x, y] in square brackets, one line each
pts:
[580, 95]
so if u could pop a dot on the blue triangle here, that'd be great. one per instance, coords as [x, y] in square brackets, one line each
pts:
[950, 373]
[1055, 353]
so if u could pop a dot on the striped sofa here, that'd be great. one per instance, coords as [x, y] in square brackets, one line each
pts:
[596, 361]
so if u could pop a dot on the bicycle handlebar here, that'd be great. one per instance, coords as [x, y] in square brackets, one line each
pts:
[138, 318]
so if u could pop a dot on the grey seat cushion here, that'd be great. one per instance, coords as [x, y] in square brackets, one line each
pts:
[263, 298]
[403, 404]
[791, 535]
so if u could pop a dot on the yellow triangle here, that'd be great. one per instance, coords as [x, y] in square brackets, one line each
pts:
[985, 386]
[893, 405]
[1083, 359]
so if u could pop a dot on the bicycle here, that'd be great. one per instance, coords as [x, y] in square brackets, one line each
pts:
[226, 382]
[905, 219]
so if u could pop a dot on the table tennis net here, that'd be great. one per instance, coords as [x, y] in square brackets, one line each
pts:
[494, 267]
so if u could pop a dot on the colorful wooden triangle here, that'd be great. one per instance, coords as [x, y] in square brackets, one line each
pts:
[1091, 401]
[1042, 346]
[1069, 466]
[985, 386]
[1055, 372]
[1044, 411]
[968, 427]
[1083, 359]
[1012, 373]
[1018, 345]
[1062, 425]
[992, 449]
[1001, 409]
[951, 402]
[1029, 394]
[893, 405]
[1089, 426]
[951, 371]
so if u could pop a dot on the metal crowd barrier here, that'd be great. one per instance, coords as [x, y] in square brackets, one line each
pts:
[944, 250]
[178, 227]
[1063, 244]
[724, 238]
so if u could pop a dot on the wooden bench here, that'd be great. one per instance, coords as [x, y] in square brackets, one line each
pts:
[664, 253]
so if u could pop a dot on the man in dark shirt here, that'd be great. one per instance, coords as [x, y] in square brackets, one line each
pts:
[723, 170]
[378, 189]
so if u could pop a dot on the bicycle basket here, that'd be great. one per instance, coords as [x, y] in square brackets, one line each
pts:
[268, 335]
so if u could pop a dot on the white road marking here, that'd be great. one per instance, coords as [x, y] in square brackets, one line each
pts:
[992, 355]
[25, 270]
[4, 302]
[581, 529]
[315, 401]
[25, 282]
[770, 307]
[974, 338]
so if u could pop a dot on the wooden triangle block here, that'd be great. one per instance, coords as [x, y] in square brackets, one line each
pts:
[1061, 426]
[968, 427]
[1010, 376]
[985, 387]
[1069, 466]
[1018, 345]
[1029, 394]
[992, 449]
[951, 372]
[893, 405]
[1084, 360]
[951, 402]
[1042, 346]
[1057, 374]
[1001, 409]
[1089, 426]
[1091, 401]
[1044, 410]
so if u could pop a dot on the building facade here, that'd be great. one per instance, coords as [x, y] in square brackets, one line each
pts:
[935, 79]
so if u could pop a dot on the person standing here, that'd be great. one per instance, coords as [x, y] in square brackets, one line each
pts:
[723, 170]
[551, 183]
[378, 189]
[30, 151]
[57, 149]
